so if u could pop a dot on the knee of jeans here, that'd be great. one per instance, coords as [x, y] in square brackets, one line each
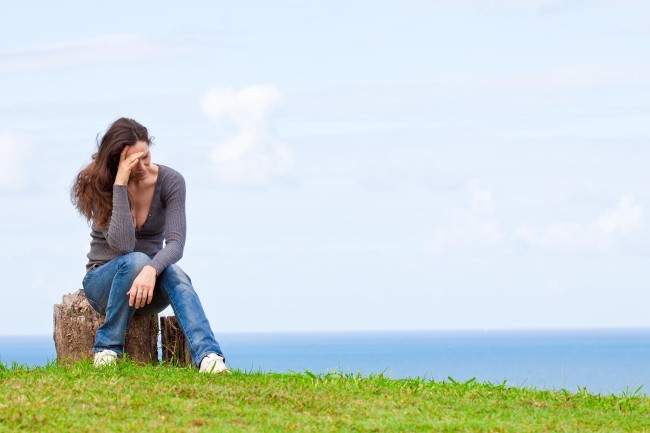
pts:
[95, 305]
[181, 281]
[135, 261]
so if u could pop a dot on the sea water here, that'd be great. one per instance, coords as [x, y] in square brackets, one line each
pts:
[603, 361]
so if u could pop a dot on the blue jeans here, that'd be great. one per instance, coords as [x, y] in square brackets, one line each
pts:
[106, 288]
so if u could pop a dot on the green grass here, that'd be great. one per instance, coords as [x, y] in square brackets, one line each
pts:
[130, 397]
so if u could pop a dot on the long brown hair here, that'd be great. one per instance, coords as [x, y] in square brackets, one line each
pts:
[92, 190]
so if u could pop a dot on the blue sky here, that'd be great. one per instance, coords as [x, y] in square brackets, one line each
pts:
[350, 165]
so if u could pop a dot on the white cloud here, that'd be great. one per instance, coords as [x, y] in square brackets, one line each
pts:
[542, 5]
[596, 236]
[474, 227]
[14, 152]
[102, 49]
[513, 4]
[253, 155]
[578, 75]
[543, 80]
[626, 218]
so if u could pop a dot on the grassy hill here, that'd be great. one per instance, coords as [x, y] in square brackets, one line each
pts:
[131, 397]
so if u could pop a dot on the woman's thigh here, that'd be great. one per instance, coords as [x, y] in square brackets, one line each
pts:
[167, 284]
[159, 302]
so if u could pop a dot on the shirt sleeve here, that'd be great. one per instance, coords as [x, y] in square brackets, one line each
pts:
[120, 233]
[173, 196]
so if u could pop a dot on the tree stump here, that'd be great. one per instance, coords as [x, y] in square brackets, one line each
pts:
[173, 341]
[75, 325]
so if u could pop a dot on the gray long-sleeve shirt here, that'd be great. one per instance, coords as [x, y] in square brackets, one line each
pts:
[165, 221]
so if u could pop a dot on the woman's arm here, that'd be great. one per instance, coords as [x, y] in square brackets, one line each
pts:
[120, 233]
[173, 195]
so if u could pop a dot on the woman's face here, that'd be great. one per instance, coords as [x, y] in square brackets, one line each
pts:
[141, 169]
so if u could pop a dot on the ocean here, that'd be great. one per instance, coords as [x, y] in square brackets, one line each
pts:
[602, 361]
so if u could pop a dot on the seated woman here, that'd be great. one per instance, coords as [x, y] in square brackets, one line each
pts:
[133, 205]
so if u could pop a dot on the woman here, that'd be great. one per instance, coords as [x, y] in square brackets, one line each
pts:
[133, 206]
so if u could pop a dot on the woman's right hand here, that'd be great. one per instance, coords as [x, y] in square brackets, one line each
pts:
[126, 165]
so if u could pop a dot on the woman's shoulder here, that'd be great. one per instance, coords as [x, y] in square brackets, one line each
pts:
[168, 174]
[170, 179]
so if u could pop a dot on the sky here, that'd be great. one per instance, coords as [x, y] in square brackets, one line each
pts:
[350, 166]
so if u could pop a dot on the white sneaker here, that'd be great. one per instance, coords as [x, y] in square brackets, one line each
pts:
[105, 357]
[213, 363]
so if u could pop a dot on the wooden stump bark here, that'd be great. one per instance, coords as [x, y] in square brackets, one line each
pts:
[173, 341]
[75, 325]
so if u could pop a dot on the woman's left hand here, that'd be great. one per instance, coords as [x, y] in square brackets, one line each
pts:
[141, 292]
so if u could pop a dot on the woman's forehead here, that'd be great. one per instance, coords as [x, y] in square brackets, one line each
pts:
[139, 146]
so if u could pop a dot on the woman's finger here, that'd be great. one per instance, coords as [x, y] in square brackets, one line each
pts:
[149, 296]
[133, 159]
[139, 298]
[136, 156]
[131, 295]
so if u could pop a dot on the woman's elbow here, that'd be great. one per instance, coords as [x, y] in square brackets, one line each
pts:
[177, 247]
